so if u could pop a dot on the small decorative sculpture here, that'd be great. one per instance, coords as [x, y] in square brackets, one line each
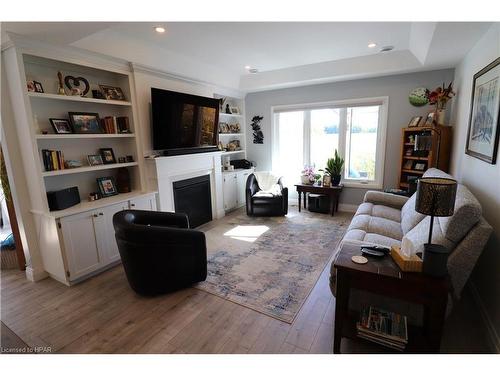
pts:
[258, 136]
[60, 89]
[228, 110]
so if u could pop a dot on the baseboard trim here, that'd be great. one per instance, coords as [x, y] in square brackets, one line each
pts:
[493, 337]
[35, 275]
[348, 207]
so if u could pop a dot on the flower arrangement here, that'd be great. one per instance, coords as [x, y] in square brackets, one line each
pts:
[309, 174]
[440, 96]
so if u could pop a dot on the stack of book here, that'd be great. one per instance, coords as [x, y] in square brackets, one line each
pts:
[383, 327]
[53, 160]
[115, 125]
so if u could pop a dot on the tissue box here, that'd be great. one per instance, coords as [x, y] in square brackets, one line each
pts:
[407, 264]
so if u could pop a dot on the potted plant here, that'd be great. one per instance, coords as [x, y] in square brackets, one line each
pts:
[334, 168]
[439, 98]
[309, 176]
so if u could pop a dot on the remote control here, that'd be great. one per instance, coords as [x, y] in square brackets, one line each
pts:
[382, 249]
[373, 253]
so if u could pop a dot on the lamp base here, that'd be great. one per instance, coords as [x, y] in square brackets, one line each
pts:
[435, 260]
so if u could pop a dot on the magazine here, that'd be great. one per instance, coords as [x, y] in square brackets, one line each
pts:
[384, 327]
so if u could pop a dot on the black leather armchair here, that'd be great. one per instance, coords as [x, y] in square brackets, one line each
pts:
[262, 205]
[159, 252]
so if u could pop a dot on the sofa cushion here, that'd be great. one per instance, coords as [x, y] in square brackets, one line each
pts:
[377, 210]
[359, 235]
[467, 214]
[410, 217]
[377, 225]
[419, 235]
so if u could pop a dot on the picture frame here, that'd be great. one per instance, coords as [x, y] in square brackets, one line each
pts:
[327, 180]
[415, 120]
[94, 160]
[61, 125]
[85, 122]
[408, 165]
[429, 120]
[112, 92]
[484, 118]
[234, 110]
[107, 186]
[108, 156]
[38, 86]
[419, 166]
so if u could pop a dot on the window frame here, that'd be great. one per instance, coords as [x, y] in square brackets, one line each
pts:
[382, 101]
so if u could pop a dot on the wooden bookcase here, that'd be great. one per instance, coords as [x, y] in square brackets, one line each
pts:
[441, 139]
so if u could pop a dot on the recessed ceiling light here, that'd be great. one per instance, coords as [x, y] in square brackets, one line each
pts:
[386, 48]
[372, 45]
[248, 67]
[159, 29]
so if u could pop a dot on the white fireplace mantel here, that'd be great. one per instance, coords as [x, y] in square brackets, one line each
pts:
[162, 172]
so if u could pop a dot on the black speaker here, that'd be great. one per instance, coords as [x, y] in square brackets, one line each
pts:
[61, 199]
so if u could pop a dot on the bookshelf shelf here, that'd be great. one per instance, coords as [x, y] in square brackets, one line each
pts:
[221, 114]
[229, 134]
[83, 136]
[62, 172]
[412, 171]
[38, 95]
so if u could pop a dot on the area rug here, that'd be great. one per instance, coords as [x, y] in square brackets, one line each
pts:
[270, 264]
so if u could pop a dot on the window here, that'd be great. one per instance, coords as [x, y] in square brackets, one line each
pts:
[308, 135]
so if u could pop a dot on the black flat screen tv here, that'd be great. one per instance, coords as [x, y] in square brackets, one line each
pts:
[183, 123]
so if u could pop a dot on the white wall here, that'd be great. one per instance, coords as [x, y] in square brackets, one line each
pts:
[400, 111]
[483, 179]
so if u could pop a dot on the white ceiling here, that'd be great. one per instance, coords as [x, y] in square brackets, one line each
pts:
[285, 53]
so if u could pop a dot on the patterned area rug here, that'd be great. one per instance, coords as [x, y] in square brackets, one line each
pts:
[270, 264]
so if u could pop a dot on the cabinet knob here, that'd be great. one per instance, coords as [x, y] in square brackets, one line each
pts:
[95, 215]
[101, 214]
[132, 204]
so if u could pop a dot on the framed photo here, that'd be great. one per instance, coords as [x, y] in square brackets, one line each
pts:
[38, 86]
[429, 120]
[234, 110]
[108, 156]
[415, 120]
[419, 166]
[107, 186]
[61, 125]
[112, 93]
[483, 134]
[85, 123]
[94, 160]
[408, 165]
[327, 180]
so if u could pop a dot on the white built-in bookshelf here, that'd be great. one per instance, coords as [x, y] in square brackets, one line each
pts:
[49, 104]
[230, 119]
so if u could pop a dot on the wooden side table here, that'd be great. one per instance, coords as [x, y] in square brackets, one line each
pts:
[383, 276]
[333, 193]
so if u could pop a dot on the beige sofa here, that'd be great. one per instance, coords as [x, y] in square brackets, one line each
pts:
[386, 219]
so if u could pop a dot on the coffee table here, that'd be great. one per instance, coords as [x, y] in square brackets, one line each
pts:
[383, 276]
[333, 192]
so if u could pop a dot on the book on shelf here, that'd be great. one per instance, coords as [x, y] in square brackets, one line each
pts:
[383, 327]
[52, 160]
[115, 125]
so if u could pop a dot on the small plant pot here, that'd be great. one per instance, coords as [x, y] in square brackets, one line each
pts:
[336, 180]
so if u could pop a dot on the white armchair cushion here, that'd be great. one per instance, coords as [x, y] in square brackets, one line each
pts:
[410, 217]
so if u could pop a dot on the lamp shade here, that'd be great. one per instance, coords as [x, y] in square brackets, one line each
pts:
[436, 196]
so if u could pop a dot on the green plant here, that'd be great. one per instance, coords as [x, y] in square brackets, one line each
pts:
[334, 165]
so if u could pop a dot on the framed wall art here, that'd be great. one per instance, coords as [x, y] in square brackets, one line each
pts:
[482, 136]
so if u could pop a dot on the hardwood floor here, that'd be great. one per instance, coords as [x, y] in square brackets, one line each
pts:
[103, 315]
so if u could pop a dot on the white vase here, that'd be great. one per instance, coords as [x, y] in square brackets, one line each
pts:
[305, 180]
[440, 116]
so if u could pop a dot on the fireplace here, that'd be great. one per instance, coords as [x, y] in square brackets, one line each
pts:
[193, 197]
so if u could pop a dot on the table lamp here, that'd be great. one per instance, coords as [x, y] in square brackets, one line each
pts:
[435, 197]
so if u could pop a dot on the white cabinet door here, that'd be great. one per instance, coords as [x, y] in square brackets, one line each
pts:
[229, 189]
[147, 203]
[241, 183]
[82, 235]
[111, 248]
